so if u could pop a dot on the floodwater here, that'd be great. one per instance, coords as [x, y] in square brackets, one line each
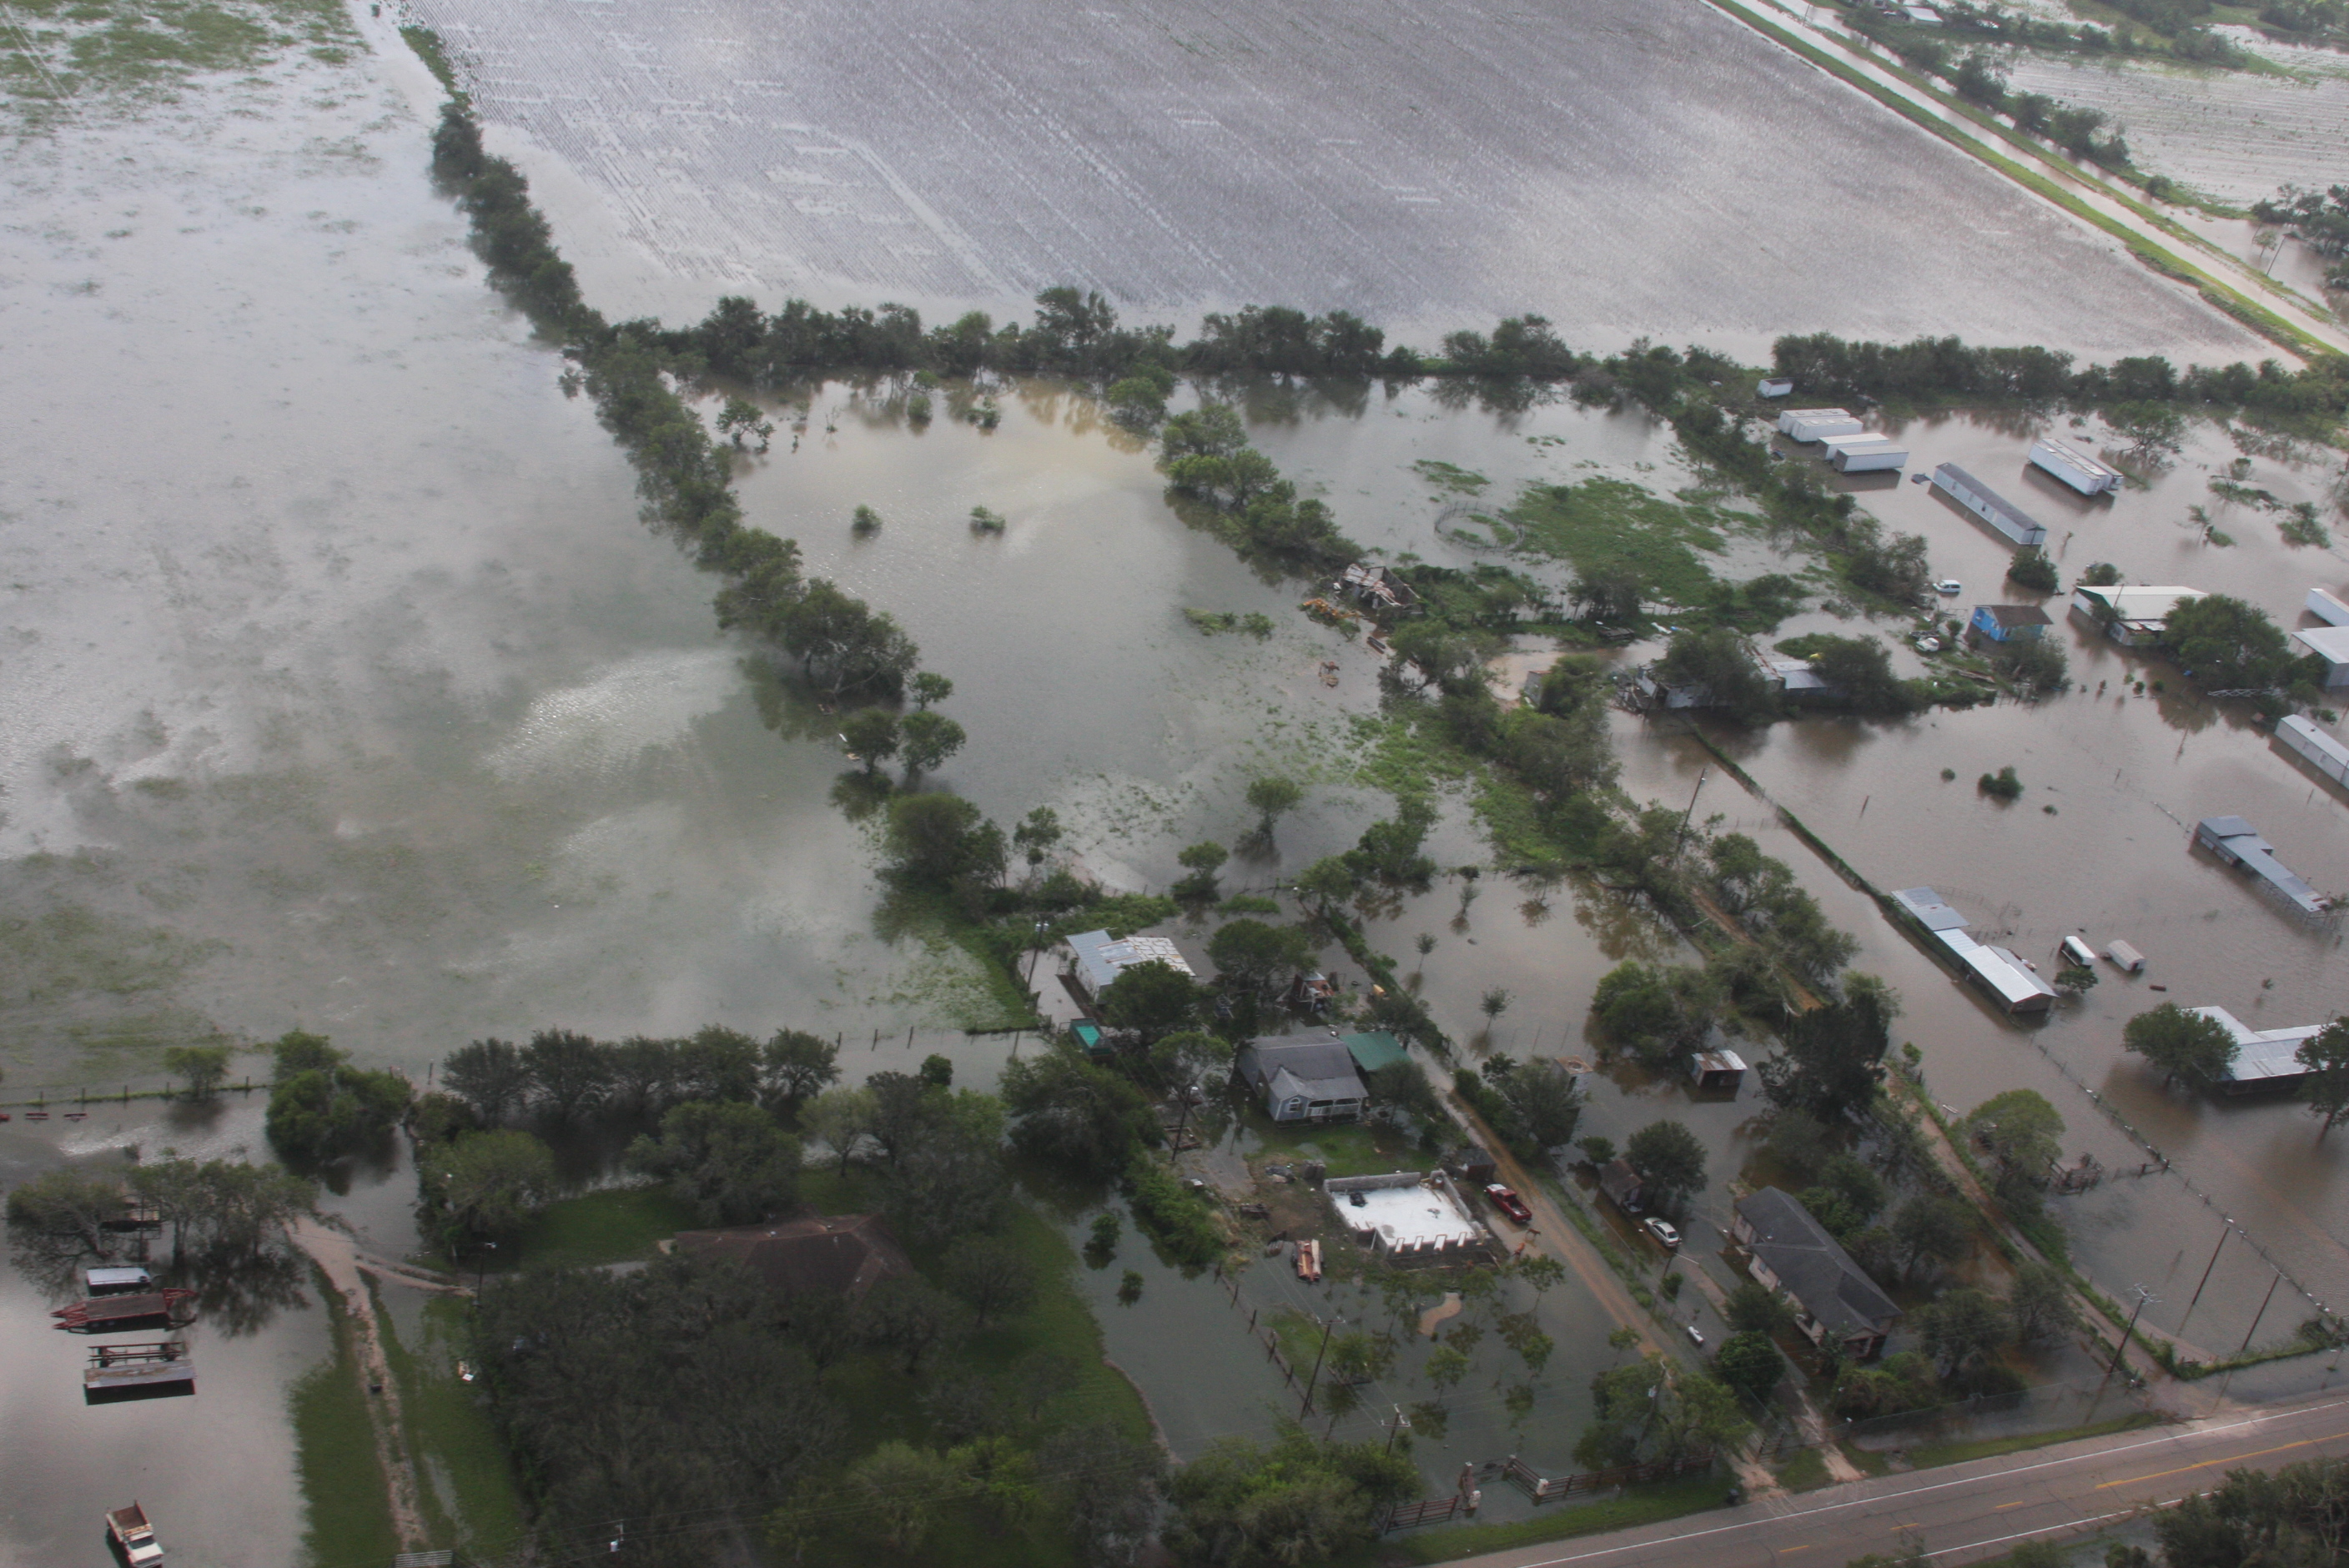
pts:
[1626, 170]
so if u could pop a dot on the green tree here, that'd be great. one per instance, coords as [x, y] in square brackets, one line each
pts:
[1962, 1329]
[1068, 1111]
[1830, 1069]
[2326, 1055]
[489, 1076]
[1255, 955]
[1202, 861]
[1244, 1504]
[928, 689]
[569, 1072]
[904, 1487]
[799, 1065]
[1269, 797]
[201, 1068]
[1037, 834]
[741, 418]
[2227, 645]
[2030, 568]
[321, 1106]
[486, 1184]
[728, 1162]
[2041, 1305]
[1106, 1485]
[910, 1316]
[993, 1276]
[1861, 670]
[871, 735]
[716, 1063]
[864, 522]
[2021, 1130]
[1670, 1161]
[1541, 1107]
[2185, 1045]
[1715, 662]
[1750, 1362]
[1755, 1308]
[941, 841]
[926, 740]
[841, 1119]
[1929, 1230]
[1151, 998]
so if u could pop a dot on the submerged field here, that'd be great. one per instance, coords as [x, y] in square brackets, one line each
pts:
[1626, 170]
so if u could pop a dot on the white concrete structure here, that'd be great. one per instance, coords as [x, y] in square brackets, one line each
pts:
[2327, 608]
[1405, 1213]
[2074, 467]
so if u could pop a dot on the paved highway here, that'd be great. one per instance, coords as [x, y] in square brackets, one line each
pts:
[1965, 1513]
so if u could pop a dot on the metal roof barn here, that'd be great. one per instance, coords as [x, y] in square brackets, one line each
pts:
[2233, 841]
[2330, 643]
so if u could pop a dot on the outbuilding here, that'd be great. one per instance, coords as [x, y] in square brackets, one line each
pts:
[1774, 386]
[2327, 607]
[2237, 843]
[1624, 1184]
[2009, 622]
[1865, 454]
[1094, 959]
[1717, 1072]
[2072, 466]
[1817, 425]
[2003, 517]
[2330, 643]
[2312, 746]
[2134, 616]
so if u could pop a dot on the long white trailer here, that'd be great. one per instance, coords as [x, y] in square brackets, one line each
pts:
[2074, 467]
[1865, 454]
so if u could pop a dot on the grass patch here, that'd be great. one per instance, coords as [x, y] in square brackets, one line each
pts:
[98, 44]
[435, 56]
[1868, 1462]
[1346, 1148]
[1806, 1471]
[451, 1439]
[617, 1224]
[348, 1510]
[1450, 477]
[1991, 1448]
[1604, 526]
[1637, 1505]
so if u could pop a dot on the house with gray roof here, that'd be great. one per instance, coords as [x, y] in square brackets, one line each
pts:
[1303, 1078]
[1834, 1302]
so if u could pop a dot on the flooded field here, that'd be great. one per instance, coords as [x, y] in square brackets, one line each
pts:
[1625, 170]
[2235, 136]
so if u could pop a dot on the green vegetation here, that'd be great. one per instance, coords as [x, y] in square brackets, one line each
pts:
[614, 1225]
[1610, 528]
[430, 48]
[1635, 1505]
[1180, 1221]
[2004, 784]
[1933, 1454]
[345, 1493]
[80, 47]
[2184, 1046]
[464, 1482]
[1806, 1471]
[321, 1106]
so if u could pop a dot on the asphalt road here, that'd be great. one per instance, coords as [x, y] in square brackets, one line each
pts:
[1965, 1513]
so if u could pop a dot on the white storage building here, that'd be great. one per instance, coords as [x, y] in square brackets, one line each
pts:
[1819, 426]
[2330, 643]
[1787, 417]
[2004, 516]
[2074, 467]
[2133, 615]
[2327, 608]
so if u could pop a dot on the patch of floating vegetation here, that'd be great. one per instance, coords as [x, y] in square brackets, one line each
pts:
[59, 51]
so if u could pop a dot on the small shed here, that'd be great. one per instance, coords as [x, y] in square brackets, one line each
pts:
[1381, 585]
[1089, 1038]
[1623, 1184]
[2330, 643]
[1865, 454]
[2130, 960]
[1471, 1164]
[2327, 607]
[2009, 622]
[1374, 1050]
[1774, 386]
[2132, 617]
[1717, 1072]
[2003, 517]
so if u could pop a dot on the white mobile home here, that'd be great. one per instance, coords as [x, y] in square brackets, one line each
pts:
[2074, 467]
[2330, 643]
[2327, 608]
[1787, 417]
[2315, 747]
[1865, 454]
[2004, 516]
[1774, 386]
[1811, 427]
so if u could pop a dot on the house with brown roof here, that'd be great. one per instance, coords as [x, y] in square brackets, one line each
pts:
[846, 1255]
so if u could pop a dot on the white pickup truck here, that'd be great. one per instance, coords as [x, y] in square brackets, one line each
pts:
[131, 1532]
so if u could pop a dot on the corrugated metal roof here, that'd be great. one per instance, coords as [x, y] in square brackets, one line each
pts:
[2330, 643]
[1927, 906]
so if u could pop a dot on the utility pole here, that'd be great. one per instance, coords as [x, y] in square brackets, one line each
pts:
[1401, 1423]
[2254, 1328]
[1307, 1408]
[2206, 1273]
[2143, 1296]
[1702, 775]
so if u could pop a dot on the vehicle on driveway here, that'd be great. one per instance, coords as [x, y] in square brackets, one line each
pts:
[1663, 1231]
[1509, 1204]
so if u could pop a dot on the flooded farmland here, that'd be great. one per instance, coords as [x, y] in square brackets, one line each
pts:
[344, 689]
[1626, 170]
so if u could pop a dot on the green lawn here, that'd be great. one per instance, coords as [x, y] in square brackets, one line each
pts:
[617, 1224]
[450, 1437]
[1991, 1447]
[344, 1493]
[1806, 1471]
[1607, 525]
[1346, 1148]
[1638, 1505]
